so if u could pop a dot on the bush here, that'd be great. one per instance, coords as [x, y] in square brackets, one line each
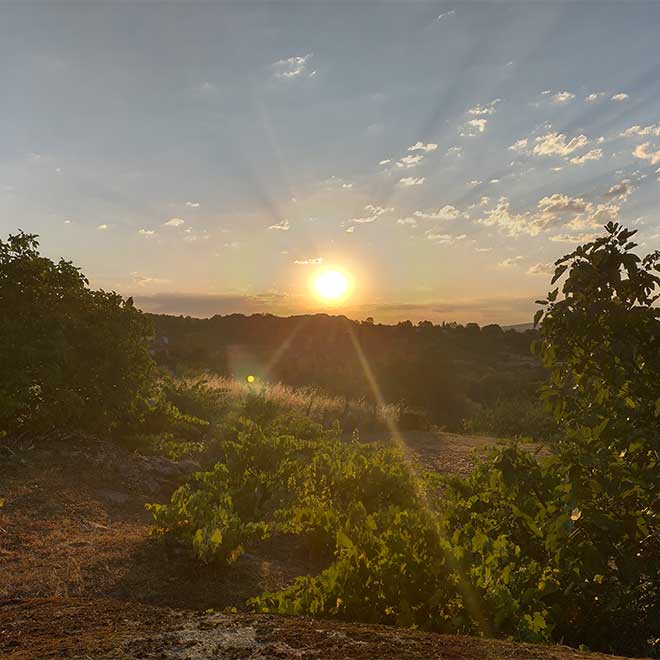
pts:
[70, 357]
[564, 548]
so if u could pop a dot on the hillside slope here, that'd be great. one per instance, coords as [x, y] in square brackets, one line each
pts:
[80, 578]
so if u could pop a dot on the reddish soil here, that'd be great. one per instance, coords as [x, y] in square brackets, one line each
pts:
[80, 578]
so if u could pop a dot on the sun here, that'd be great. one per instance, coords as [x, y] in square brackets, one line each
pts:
[331, 285]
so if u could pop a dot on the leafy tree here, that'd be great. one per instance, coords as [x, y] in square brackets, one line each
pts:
[70, 357]
[586, 518]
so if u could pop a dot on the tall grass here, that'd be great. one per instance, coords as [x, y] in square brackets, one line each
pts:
[311, 402]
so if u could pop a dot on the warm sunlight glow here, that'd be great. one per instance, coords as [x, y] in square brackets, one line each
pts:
[331, 285]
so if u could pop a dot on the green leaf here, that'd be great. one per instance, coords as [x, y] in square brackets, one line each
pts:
[559, 271]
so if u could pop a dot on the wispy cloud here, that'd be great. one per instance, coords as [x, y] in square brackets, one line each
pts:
[620, 96]
[643, 152]
[447, 212]
[555, 144]
[551, 212]
[621, 190]
[594, 96]
[562, 97]
[146, 232]
[292, 67]
[194, 205]
[541, 269]
[474, 127]
[409, 161]
[642, 131]
[283, 225]
[374, 212]
[174, 222]
[102, 227]
[519, 145]
[445, 15]
[309, 262]
[420, 146]
[412, 181]
[510, 262]
[487, 109]
[594, 154]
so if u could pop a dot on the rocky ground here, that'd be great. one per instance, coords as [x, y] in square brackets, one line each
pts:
[81, 579]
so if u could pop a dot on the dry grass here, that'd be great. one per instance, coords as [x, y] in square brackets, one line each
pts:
[311, 402]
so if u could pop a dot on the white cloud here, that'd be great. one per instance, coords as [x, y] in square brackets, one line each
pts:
[146, 232]
[620, 96]
[292, 67]
[519, 145]
[554, 144]
[483, 201]
[510, 262]
[283, 225]
[441, 239]
[642, 151]
[447, 14]
[595, 96]
[385, 161]
[174, 222]
[374, 213]
[420, 146]
[642, 131]
[474, 127]
[594, 154]
[194, 205]
[621, 190]
[487, 109]
[573, 238]
[102, 227]
[541, 269]
[563, 97]
[551, 211]
[409, 221]
[305, 262]
[350, 230]
[447, 212]
[411, 181]
[410, 161]
[455, 151]
[192, 237]
[346, 186]
[146, 280]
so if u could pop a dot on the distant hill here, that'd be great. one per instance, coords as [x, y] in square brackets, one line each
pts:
[519, 327]
[445, 370]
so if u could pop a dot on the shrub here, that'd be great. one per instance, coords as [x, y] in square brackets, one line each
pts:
[70, 357]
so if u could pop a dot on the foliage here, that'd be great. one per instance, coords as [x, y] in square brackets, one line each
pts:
[514, 417]
[446, 370]
[560, 546]
[70, 357]
[586, 517]
[269, 480]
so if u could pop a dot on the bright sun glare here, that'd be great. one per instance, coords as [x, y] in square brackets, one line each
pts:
[331, 285]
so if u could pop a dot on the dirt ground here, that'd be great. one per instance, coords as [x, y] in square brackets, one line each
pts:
[80, 578]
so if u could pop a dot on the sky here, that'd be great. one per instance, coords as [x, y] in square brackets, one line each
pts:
[213, 158]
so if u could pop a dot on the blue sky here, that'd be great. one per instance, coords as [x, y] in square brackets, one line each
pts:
[210, 158]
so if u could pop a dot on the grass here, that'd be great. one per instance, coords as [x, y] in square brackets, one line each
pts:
[314, 404]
